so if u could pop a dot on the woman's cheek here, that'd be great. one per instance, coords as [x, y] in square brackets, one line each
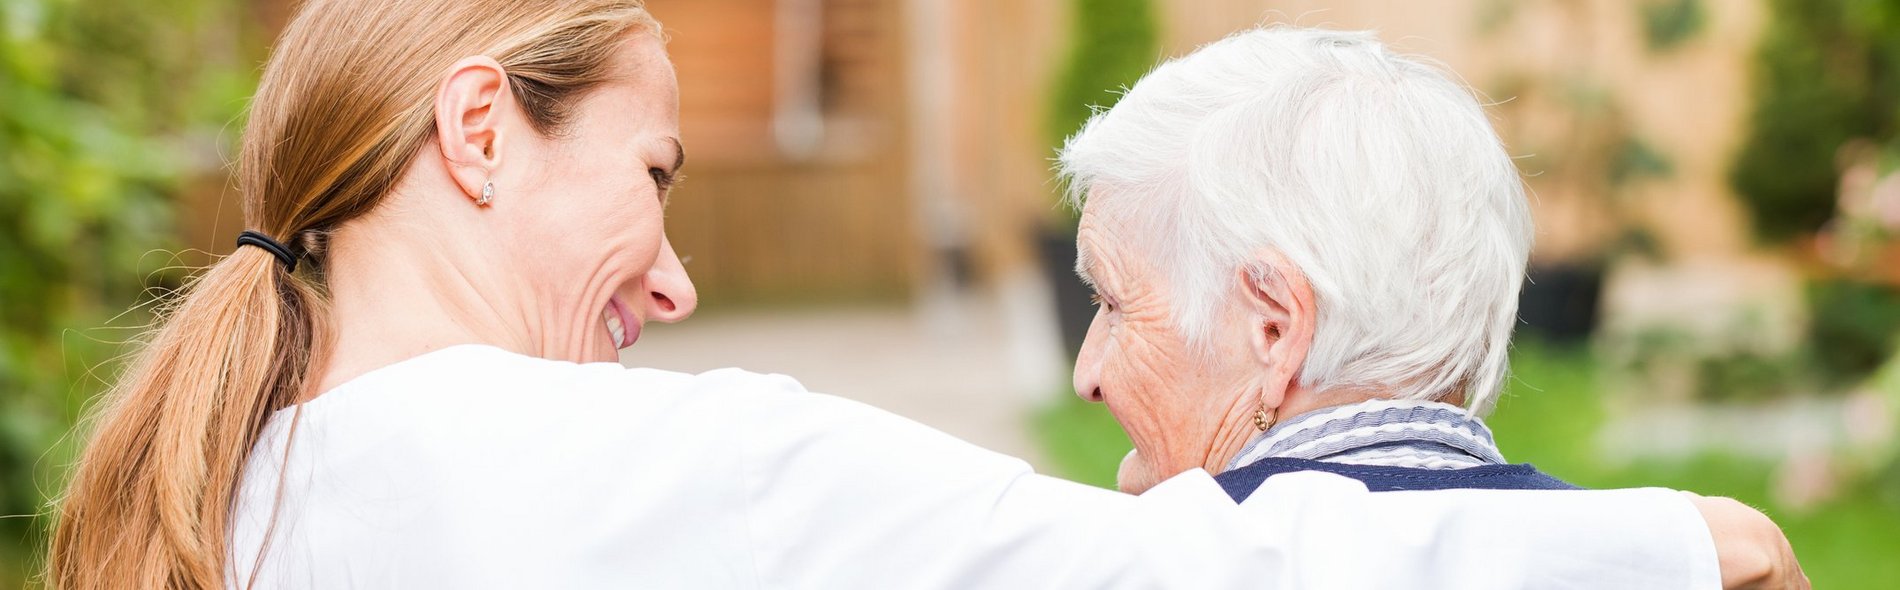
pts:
[1130, 402]
[1150, 398]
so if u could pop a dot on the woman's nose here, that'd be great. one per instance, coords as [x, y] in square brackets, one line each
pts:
[1088, 364]
[670, 293]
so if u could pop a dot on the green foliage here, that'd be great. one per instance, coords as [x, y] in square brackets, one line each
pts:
[1853, 330]
[1113, 42]
[1748, 376]
[1082, 439]
[1827, 71]
[1635, 159]
[1668, 23]
[1494, 15]
[106, 108]
[1724, 368]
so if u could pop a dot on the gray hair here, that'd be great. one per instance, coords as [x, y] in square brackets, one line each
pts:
[1376, 175]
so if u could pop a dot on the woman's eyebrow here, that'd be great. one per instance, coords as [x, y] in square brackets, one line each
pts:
[1083, 262]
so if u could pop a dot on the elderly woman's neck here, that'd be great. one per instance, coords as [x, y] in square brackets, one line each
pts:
[402, 285]
[1297, 401]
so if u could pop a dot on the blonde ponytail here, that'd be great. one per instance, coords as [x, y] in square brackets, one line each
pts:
[154, 486]
[149, 502]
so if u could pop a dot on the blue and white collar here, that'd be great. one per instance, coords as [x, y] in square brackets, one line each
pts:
[1398, 433]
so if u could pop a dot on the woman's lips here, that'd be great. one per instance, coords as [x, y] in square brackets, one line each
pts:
[621, 325]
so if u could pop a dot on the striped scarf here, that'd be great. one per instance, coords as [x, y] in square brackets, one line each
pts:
[1396, 433]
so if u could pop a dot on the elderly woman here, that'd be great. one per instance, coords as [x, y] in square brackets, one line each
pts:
[1307, 252]
[403, 378]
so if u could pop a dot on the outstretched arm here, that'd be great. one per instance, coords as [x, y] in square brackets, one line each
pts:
[898, 504]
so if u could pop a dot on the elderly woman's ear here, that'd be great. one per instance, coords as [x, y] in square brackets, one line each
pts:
[1281, 318]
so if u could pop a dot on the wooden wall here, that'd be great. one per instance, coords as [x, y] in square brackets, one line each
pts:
[758, 224]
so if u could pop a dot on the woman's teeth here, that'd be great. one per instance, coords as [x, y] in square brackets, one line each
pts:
[614, 327]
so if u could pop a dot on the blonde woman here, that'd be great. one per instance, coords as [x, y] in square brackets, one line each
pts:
[404, 378]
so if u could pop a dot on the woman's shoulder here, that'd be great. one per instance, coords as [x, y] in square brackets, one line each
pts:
[475, 377]
[472, 452]
[477, 407]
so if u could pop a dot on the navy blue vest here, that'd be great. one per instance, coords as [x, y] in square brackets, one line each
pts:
[1241, 482]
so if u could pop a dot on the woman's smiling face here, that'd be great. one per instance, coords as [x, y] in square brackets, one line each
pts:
[589, 211]
[1174, 402]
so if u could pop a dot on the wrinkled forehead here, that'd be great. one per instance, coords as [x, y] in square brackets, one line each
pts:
[1103, 237]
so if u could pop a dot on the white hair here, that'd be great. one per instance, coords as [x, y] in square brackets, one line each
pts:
[1376, 175]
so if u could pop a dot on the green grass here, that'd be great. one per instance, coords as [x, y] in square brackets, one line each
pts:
[1550, 419]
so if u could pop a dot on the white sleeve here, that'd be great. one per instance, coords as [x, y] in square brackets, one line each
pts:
[843, 495]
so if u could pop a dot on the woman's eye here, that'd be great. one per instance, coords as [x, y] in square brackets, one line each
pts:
[1098, 301]
[660, 178]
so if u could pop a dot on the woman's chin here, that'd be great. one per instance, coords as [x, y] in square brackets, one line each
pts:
[1135, 475]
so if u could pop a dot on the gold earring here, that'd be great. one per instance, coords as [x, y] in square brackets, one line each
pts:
[1261, 419]
[488, 193]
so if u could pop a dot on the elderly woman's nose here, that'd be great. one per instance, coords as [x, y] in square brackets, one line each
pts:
[1087, 389]
[670, 292]
[1088, 365]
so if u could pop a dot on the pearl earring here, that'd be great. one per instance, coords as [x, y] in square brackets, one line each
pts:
[488, 193]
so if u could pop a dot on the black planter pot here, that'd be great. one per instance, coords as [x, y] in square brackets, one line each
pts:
[1559, 302]
[1074, 312]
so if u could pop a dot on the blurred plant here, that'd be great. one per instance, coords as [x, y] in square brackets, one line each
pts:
[1113, 43]
[1864, 235]
[1855, 306]
[1854, 327]
[1493, 15]
[104, 109]
[1635, 159]
[1595, 151]
[1747, 376]
[1603, 156]
[1826, 72]
[1586, 151]
[1731, 364]
[1668, 23]
[1878, 427]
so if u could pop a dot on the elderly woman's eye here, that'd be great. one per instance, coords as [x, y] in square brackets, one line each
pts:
[660, 177]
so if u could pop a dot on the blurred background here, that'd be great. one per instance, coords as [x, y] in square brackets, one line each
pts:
[1713, 302]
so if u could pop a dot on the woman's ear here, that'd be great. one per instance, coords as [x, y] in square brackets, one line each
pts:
[1282, 316]
[469, 108]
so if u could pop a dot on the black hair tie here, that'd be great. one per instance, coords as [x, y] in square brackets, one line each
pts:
[283, 254]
